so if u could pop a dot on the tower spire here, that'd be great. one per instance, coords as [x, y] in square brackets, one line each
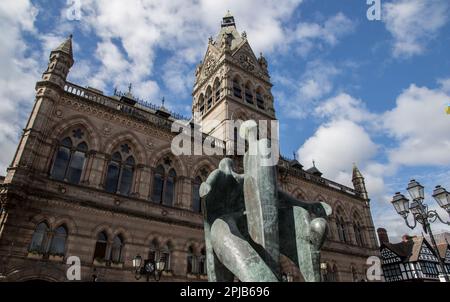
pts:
[60, 62]
[65, 47]
[358, 182]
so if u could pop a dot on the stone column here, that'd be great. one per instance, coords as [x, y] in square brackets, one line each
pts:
[351, 232]
[44, 159]
[183, 192]
[98, 170]
[87, 171]
[179, 261]
[145, 179]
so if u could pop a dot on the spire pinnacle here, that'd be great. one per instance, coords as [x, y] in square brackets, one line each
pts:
[356, 172]
[66, 46]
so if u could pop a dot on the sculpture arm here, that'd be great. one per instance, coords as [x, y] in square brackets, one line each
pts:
[319, 209]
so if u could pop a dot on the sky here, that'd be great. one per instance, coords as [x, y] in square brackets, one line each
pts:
[347, 89]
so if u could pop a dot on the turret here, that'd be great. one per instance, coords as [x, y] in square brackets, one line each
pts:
[60, 62]
[359, 183]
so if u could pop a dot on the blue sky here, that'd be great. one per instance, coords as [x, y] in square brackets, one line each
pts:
[346, 89]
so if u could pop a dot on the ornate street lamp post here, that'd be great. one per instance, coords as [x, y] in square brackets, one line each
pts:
[148, 268]
[420, 212]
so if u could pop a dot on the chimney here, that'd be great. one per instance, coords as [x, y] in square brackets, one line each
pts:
[407, 238]
[382, 236]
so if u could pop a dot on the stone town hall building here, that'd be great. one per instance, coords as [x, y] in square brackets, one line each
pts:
[94, 177]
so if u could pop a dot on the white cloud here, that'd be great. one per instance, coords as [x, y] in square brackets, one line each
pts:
[312, 35]
[445, 85]
[315, 83]
[336, 146]
[18, 74]
[413, 23]
[421, 127]
[180, 27]
[344, 106]
[417, 127]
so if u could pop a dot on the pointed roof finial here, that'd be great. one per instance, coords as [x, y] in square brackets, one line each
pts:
[130, 88]
[313, 170]
[66, 46]
[295, 155]
[356, 172]
[228, 14]
[162, 102]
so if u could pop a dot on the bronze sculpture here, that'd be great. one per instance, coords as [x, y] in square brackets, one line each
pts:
[249, 222]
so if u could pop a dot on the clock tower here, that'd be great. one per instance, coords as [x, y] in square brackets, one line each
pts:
[231, 84]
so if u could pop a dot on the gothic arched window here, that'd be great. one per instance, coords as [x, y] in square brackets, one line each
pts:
[358, 233]
[209, 97]
[196, 200]
[260, 99]
[169, 190]
[191, 265]
[165, 256]
[237, 90]
[116, 249]
[100, 246]
[70, 157]
[217, 90]
[119, 176]
[329, 275]
[164, 186]
[58, 245]
[158, 184]
[354, 275]
[153, 249]
[340, 226]
[248, 94]
[39, 241]
[201, 104]
[202, 262]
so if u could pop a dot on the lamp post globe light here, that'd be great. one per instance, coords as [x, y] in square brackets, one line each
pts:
[148, 268]
[420, 212]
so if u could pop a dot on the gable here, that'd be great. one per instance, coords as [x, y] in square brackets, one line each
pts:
[447, 256]
[246, 59]
[209, 64]
[388, 256]
[426, 254]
